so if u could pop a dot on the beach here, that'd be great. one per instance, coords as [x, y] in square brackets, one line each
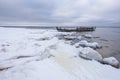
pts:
[46, 54]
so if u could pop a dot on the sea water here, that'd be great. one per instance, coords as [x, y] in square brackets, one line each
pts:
[109, 39]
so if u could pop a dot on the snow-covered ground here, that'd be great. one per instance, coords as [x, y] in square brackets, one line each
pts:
[31, 54]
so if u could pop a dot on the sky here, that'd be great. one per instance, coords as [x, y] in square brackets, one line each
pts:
[60, 12]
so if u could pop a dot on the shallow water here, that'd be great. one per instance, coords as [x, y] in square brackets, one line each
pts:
[109, 39]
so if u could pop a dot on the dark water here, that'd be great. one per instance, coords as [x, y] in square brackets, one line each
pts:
[109, 39]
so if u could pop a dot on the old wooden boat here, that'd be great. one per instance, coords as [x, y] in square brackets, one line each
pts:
[78, 29]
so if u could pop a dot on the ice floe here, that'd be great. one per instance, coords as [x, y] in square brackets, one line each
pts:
[85, 43]
[88, 36]
[90, 54]
[111, 61]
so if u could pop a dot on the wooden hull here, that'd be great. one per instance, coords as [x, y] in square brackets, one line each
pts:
[81, 29]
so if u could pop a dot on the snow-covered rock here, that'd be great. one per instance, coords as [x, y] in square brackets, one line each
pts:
[90, 54]
[84, 43]
[111, 61]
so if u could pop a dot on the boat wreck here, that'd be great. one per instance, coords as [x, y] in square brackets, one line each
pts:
[78, 29]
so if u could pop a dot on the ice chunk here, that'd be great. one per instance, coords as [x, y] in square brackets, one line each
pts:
[87, 36]
[90, 54]
[89, 44]
[79, 37]
[69, 37]
[111, 61]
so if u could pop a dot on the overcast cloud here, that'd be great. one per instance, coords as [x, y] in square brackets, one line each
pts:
[60, 12]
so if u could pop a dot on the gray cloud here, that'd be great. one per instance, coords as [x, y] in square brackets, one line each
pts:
[60, 12]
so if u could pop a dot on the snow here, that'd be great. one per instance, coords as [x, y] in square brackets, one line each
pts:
[84, 43]
[111, 61]
[69, 37]
[30, 54]
[83, 69]
[89, 53]
[88, 36]
[36, 70]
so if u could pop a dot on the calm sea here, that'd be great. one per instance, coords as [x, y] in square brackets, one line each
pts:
[109, 39]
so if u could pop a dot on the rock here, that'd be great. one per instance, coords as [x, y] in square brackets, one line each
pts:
[94, 45]
[96, 37]
[111, 61]
[90, 54]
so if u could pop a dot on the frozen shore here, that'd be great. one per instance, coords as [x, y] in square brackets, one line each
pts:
[27, 54]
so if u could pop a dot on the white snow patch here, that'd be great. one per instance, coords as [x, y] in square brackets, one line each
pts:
[88, 36]
[88, 44]
[83, 69]
[89, 53]
[36, 70]
[111, 61]
[28, 57]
